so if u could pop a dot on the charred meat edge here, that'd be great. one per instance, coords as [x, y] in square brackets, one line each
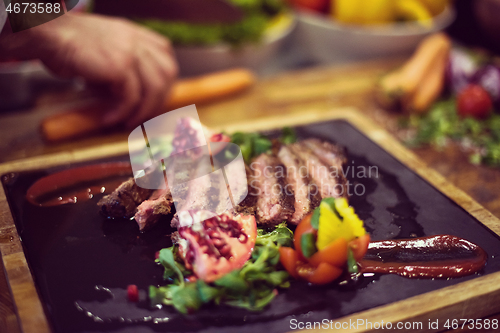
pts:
[124, 201]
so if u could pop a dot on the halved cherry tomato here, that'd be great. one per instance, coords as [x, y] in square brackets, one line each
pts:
[289, 260]
[359, 246]
[323, 274]
[334, 254]
[303, 228]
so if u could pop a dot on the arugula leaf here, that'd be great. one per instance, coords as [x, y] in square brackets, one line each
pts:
[255, 305]
[207, 293]
[172, 269]
[186, 298]
[281, 235]
[158, 295]
[252, 287]
[233, 282]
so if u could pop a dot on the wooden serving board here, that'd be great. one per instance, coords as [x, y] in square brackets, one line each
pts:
[474, 298]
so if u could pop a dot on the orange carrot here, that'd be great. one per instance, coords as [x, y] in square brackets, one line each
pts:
[404, 82]
[430, 87]
[87, 119]
[203, 89]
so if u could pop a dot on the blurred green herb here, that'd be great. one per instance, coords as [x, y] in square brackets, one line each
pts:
[251, 28]
[288, 135]
[252, 287]
[160, 147]
[352, 265]
[251, 144]
[254, 144]
[442, 124]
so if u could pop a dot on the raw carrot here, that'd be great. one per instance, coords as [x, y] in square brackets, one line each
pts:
[209, 87]
[404, 82]
[430, 88]
[81, 121]
[87, 119]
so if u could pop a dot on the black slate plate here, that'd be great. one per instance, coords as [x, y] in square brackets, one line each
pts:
[83, 263]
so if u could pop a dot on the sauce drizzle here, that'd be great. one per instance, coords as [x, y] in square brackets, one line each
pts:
[77, 184]
[442, 256]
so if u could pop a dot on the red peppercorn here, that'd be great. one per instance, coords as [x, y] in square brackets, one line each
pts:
[132, 293]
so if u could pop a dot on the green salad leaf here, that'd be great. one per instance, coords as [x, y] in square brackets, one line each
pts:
[254, 144]
[252, 287]
[251, 144]
[172, 269]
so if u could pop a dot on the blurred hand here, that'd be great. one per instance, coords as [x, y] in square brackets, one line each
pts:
[135, 65]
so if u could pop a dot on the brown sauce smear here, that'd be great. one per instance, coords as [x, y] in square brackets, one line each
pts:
[78, 184]
[442, 256]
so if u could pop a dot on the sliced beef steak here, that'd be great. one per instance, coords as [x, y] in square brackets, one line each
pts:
[149, 211]
[307, 196]
[328, 177]
[124, 200]
[274, 204]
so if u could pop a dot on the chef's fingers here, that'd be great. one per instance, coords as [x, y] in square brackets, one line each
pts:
[154, 89]
[128, 92]
[162, 43]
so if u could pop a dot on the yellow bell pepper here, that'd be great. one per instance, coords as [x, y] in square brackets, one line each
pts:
[339, 221]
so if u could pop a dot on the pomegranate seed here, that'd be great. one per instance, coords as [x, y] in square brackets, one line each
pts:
[132, 293]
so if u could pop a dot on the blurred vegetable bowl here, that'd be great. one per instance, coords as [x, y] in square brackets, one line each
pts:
[251, 42]
[336, 38]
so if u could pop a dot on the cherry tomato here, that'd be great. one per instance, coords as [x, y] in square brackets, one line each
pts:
[334, 254]
[289, 260]
[323, 274]
[474, 101]
[315, 5]
[303, 228]
[359, 246]
[132, 293]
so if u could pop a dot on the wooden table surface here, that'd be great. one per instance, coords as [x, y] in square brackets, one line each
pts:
[316, 89]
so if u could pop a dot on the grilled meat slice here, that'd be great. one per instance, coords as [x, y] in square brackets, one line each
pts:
[207, 192]
[274, 204]
[328, 177]
[123, 201]
[328, 153]
[149, 211]
[306, 193]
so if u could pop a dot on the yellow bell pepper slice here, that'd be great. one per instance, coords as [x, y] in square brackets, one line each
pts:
[339, 221]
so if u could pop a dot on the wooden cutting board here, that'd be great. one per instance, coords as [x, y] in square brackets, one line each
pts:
[475, 298]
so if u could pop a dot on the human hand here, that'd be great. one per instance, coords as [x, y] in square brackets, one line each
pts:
[133, 65]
